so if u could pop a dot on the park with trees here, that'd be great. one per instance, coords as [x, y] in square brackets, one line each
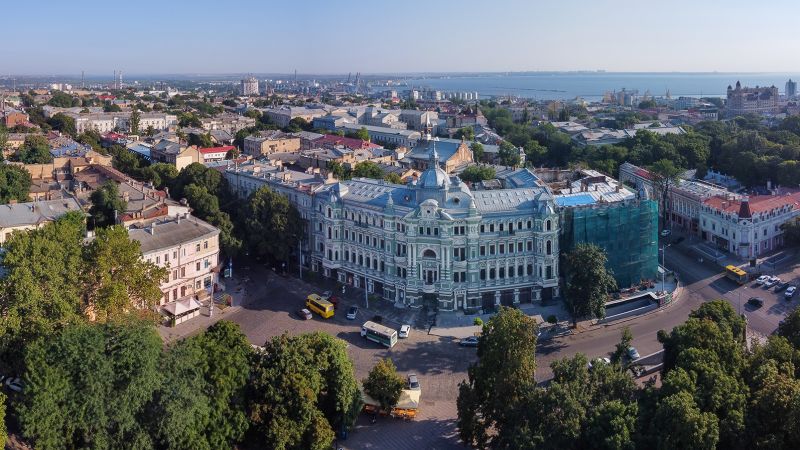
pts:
[717, 390]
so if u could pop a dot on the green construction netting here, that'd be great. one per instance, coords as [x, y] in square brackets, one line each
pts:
[627, 232]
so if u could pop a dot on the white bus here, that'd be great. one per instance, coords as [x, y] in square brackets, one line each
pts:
[379, 333]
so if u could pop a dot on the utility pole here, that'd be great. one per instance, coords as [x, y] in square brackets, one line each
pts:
[366, 293]
[300, 256]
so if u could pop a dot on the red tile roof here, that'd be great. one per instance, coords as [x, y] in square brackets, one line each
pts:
[644, 174]
[757, 203]
[351, 143]
[224, 148]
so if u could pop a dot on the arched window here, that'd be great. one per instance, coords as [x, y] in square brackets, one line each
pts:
[549, 248]
[429, 254]
[547, 225]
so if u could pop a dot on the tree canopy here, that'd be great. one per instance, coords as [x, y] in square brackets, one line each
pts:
[589, 281]
[15, 183]
[384, 384]
[107, 205]
[272, 224]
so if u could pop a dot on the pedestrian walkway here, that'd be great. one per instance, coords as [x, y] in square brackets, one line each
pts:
[235, 287]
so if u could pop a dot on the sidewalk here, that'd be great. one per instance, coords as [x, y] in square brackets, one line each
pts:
[235, 287]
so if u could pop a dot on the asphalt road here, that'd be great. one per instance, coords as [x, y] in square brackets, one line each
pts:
[441, 364]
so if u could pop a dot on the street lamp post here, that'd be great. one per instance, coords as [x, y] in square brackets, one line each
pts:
[663, 266]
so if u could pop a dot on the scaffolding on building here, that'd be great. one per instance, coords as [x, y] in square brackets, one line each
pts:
[627, 231]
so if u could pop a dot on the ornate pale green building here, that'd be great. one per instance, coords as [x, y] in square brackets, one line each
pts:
[438, 243]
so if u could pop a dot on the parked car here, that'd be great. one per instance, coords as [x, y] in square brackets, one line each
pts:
[771, 282]
[14, 384]
[413, 382]
[790, 292]
[665, 233]
[762, 279]
[352, 312]
[781, 286]
[328, 295]
[304, 314]
[471, 341]
[758, 302]
[633, 353]
[404, 331]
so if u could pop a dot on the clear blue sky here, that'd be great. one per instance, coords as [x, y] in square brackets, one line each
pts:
[205, 36]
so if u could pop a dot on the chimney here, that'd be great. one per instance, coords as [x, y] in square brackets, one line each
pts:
[153, 228]
[126, 196]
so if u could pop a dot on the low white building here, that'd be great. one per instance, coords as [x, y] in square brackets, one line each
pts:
[32, 215]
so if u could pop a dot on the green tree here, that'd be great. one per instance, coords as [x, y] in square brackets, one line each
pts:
[15, 183]
[339, 171]
[368, 169]
[272, 224]
[393, 178]
[107, 204]
[477, 174]
[621, 350]
[35, 150]
[477, 151]
[200, 175]
[136, 118]
[302, 389]
[500, 381]
[589, 282]
[64, 124]
[150, 131]
[681, 424]
[3, 431]
[88, 386]
[111, 107]
[116, 281]
[39, 294]
[384, 384]
[60, 99]
[466, 133]
[508, 154]
[363, 134]
[790, 328]
[166, 173]
[666, 174]
[201, 140]
[201, 402]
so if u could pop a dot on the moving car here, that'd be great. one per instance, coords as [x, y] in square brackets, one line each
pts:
[404, 331]
[304, 314]
[471, 341]
[633, 353]
[790, 292]
[758, 302]
[328, 295]
[413, 382]
[762, 279]
[352, 312]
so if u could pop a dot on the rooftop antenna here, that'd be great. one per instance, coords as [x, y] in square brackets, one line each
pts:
[83, 80]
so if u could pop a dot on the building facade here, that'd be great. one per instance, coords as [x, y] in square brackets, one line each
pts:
[436, 243]
[269, 142]
[747, 100]
[748, 227]
[249, 86]
[188, 248]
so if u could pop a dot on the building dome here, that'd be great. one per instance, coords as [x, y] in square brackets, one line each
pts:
[433, 177]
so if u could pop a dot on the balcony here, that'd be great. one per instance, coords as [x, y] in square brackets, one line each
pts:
[429, 288]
